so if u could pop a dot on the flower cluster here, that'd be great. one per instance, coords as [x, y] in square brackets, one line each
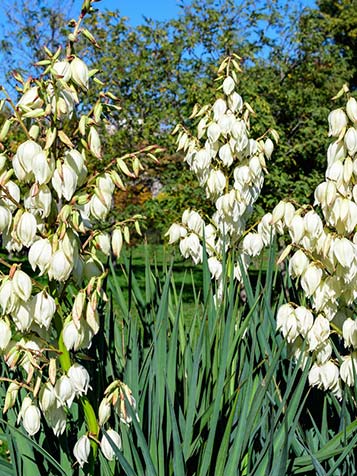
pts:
[54, 220]
[324, 242]
[230, 166]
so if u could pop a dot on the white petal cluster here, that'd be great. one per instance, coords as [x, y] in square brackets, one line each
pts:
[324, 261]
[230, 166]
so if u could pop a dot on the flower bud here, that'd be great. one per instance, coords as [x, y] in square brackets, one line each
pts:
[349, 331]
[98, 209]
[80, 73]
[11, 395]
[117, 241]
[107, 446]
[81, 450]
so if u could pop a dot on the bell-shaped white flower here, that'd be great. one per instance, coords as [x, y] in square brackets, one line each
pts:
[72, 336]
[23, 315]
[56, 418]
[31, 419]
[44, 308]
[80, 73]
[79, 378]
[47, 396]
[348, 369]
[337, 122]
[268, 148]
[213, 132]
[63, 70]
[175, 232]
[60, 268]
[81, 450]
[5, 334]
[319, 332]
[40, 254]
[287, 322]
[298, 264]
[311, 278]
[64, 181]
[104, 411]
[65, 392]
[21, 285]
[304, 319]
[349, 331]
[216, 183]
[351, 141]
[252, 244]
[26, 229]
[25, 154]
[107, 446]
[228, 85]
[351, 109]
[43, 167]
[5, 219]
[219, 108]
[117, 240]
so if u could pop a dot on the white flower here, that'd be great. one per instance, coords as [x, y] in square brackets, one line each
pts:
[107, 446]
[79, 378]
[287, 322]
[26, 229]
[219, 108]
[44, 308]
[64, 391]
[304, 320]
[319, 332]
[5, 334]
[40, 255]
[348, 369]
[349, 331]
[63, 70]
[351, 109]
[47, 396]
[56, 418]
[60, 268]
[228, 85]
[268, 148]
[31, 419]
[337, 122]
[311, 278]
[175, 232]
[21, 285]
[104, 412]
[72, 336]
[252, 244]
[81, 450]
[80, 73]
[5, 219]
